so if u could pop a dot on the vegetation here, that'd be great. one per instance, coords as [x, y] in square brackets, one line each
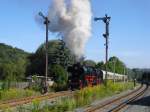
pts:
[16, 64]
[114, 64]
[100, 65]
[57, 54]
[60, 77]
[15, 94]
[82, 97]
[89, 63]
[88, 95]
[59, 58]
[13, 62]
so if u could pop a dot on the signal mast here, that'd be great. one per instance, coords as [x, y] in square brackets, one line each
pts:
[46, 22]
[106, 20]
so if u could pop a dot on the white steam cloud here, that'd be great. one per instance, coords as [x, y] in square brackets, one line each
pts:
[72, 19]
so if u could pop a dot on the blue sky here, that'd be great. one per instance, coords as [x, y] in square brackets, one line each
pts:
[129, 28]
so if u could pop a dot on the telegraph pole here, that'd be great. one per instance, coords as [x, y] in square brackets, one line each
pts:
[106, 20]
[46, 22]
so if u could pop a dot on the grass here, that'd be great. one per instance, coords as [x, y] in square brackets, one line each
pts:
[83, 97]
[88, 95]
[11, 94]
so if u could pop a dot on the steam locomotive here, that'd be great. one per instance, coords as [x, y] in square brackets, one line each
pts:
[82, 76]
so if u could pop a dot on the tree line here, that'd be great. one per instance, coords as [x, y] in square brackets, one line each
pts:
[13, 63]
[16, 64]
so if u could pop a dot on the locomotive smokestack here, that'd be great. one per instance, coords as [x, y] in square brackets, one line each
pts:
[72, 20]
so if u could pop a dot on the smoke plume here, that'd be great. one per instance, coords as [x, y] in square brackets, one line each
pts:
[72, 20]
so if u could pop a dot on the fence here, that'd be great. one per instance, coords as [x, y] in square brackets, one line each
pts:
[20, 85]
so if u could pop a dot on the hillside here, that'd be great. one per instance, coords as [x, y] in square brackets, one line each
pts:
[8, 53]
[13, 62]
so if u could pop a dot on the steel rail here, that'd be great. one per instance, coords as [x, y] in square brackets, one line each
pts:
[124, 104]
[17, 102]
[97, 107]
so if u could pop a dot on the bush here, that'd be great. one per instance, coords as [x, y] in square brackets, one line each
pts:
[5, 85]
[59, 87]
[60, 77]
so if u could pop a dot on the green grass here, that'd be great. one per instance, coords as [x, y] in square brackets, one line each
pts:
[11, 94]
[83, 97]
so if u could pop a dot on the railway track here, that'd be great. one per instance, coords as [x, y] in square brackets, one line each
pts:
[17, 102]
[117, 104]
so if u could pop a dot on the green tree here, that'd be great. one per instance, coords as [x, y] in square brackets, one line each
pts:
[58, 54]
[137, 73]
[13, 62]
[13, 71]
[100, 65]
[59, 74]
[89, 63]
[60, 77]
[114, 64]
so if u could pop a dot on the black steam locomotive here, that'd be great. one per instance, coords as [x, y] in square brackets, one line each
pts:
[82, 76]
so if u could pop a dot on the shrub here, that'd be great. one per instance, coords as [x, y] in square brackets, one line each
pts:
[35, 106]
[60, 77]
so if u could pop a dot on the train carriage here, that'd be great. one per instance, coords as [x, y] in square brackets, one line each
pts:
[114, 76]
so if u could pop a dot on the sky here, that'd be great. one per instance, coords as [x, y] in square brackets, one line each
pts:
[129, 28]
